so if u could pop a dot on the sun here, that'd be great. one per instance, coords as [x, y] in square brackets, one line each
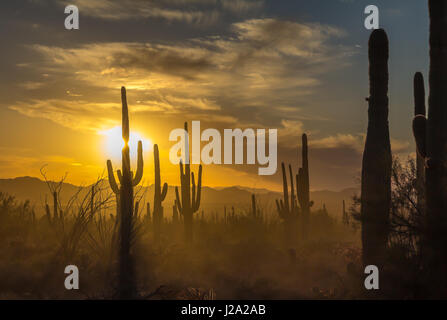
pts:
[114, 143]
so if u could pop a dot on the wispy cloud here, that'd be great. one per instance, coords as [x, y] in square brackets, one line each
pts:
[200, 12]
[264, 64]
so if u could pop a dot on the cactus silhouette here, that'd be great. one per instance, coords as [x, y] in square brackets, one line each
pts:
[254, 209]
[159, 196]
[288, 207]
[431, 140]
[302, 187]
[127, 281]
[189, 202]
[56, 210]
[419, 110]
[376, 165]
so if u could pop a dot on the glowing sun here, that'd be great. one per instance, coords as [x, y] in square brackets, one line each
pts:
[114, 143]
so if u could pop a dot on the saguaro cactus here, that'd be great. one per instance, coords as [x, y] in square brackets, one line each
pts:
[127, 282]
[254, 209]
[287, 207]
[57, 214]
[159, 196]
[431, 139]
[302, 187]
[189, 202]
[376, 165]
[419, 110]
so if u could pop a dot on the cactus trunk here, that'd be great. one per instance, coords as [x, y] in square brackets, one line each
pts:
[189, 201]
[431, 140]
[125, 201]
[419, 109]
[303, 188]
[376, 165]
[287, 209]
[159, 196]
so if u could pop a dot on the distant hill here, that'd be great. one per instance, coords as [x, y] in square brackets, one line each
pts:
[213, 199]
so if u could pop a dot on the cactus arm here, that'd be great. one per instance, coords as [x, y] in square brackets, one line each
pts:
[199, 189]
[120, 175]
[292, 190]
[299, 187]
[285, 187]
[111, 176]
[177, 199]
[193, 192]
[140, 164]
[164, 192]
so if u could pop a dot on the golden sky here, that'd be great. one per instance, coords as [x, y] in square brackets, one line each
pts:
[230, 64]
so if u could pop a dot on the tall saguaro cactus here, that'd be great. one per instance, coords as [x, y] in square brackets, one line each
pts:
[288, 207]
[431, 139]
[419, 111]
[189, 202]
[159, 196]
[302, 186]
[127, 281]
[376, 165]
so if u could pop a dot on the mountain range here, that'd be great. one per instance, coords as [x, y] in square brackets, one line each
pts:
[214, 199]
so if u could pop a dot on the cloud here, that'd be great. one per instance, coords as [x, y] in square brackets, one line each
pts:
[78, 115]
[200, 12]
[31, 85]
[264, 65]
[356, 142]
[400, 146]
[340, 140]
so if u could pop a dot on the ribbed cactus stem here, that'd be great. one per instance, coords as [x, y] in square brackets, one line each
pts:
[159, 195]
[376, 165]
